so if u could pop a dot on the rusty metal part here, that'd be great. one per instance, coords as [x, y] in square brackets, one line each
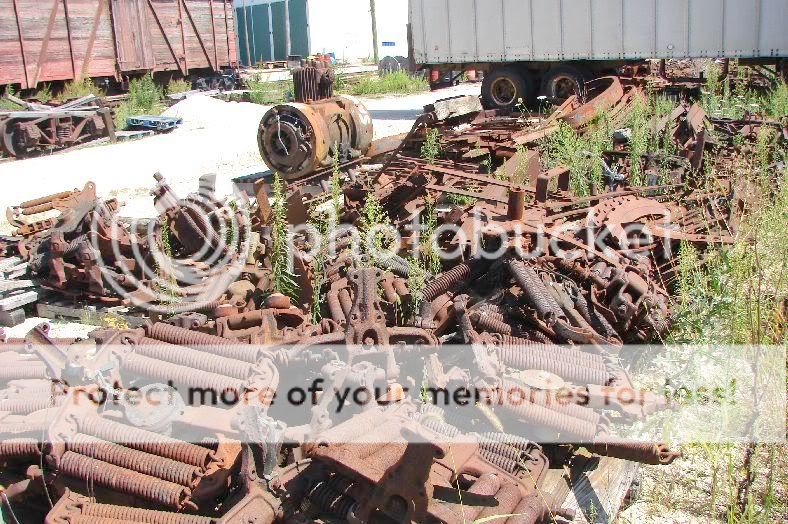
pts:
[297, 138]
[19, 447]
[198, 360]
[312, 83]
[124, 480]
[159, 467]
[146, 441]
[637, 451]
[201, 342]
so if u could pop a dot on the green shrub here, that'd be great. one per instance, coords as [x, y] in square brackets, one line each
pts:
[269, 93]
[145, 98]
[396, 82]
[178, 85]
[79, 88]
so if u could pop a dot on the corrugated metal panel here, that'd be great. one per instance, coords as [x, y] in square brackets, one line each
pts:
[489, 17]
[703, 15]
[417, 31]
[437, 43]
[742, 27]
[447, 31]
[546, 26]
[517, 30]
[299, 28]
[672, 35]
[774, 37]
[607, 22]
[280, 46]
[576, 28]
[639, 28]
[462, 29]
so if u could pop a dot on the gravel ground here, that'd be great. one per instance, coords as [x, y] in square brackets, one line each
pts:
[216, 137]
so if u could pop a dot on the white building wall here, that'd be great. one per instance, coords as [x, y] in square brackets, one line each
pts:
[344, 27]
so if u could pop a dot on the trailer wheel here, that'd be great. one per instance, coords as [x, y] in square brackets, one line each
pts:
[504, 88]
[563, 81]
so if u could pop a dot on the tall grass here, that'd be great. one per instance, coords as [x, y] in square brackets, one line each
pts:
[178, 85]
[389, 83]
[79, 88]
[281, 274]
[269, 93]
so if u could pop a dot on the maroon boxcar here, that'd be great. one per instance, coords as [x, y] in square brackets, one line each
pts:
[53, 40]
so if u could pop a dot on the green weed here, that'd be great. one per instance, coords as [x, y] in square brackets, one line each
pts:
[396, 82]
[269, 93]
[5, 103]
[372, 225]
[79, 88]
[145, 98]
[431, 148]
[283, 278]
[178, 85]
[44, 94]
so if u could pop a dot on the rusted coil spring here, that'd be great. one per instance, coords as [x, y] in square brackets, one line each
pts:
[534, 290]
[446, 280]
[93, 513]
[23, 406]
[19, 447]
[491, 322]
[202, 342]
[597, 321]
[139, 461]
[394, 263]
[146, 441]
[504, 463]
[329, 496]
[124, 480]
[559, 421]
[192, 358]
[633, 450]
[548, 399]
[17, 428]
[24, 371]
[166, 371]
[553, 351]
[499, 453]
[577, 372]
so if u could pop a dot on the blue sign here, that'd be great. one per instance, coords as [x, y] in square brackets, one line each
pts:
[389, 44]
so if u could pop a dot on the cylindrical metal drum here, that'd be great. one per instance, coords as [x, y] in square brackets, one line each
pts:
[296, 139]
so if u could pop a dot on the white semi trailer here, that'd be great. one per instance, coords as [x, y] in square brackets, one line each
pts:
[551, 47]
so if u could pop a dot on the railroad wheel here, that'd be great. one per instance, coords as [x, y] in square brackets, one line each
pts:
[564, 81]
[505, 87]
[11, 139]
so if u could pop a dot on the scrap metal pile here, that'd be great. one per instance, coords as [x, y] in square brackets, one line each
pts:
[101, 429]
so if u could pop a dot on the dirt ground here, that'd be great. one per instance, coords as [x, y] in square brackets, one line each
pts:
[216, 137]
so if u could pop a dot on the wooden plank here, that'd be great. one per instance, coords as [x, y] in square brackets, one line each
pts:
[13, 285]
[9, 262]
[213, 32]
[21, 43]
[70, 41]
[42, 55]
[197, 34]
[166, 38]
[91, 41]
[18, 300]
[596, 488]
